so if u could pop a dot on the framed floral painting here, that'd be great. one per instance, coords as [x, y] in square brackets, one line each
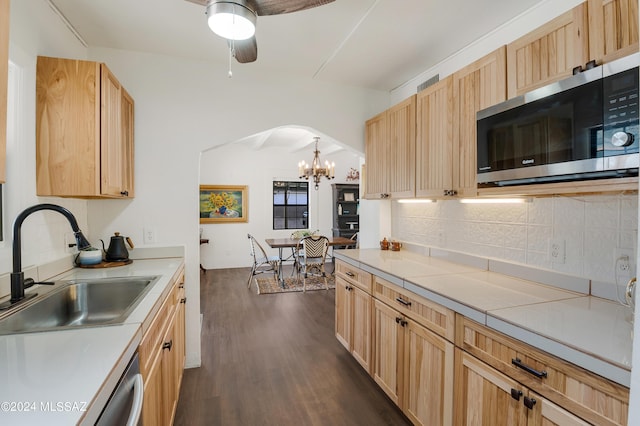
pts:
[223, 203]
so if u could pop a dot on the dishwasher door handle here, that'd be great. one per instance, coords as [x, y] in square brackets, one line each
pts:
[138, 397]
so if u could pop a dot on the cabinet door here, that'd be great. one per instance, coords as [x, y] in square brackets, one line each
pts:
[180, 340]
[361, 328]
[401, 120]
[475, 87]
[168, 364]
[428, 377]
[127, 108]
[111, 149]
[388, 348]
[434, 150]
[343, 313]
[546, 413]
[376, 156]
[549, 53]
[4, 75]
[613, 29]
[152, 407]
[67, 127]
[486, 397]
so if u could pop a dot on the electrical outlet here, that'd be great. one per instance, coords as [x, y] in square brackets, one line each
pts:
[624, 262]
[149, 236]
[557, 250]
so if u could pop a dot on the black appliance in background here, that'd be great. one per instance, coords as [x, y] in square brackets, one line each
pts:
[583, 127]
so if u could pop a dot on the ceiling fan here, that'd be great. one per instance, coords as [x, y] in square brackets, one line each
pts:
[235, 20]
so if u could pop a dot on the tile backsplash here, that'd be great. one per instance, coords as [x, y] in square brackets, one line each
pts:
[591, 227]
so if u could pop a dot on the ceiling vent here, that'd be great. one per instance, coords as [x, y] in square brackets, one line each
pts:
[433, 80]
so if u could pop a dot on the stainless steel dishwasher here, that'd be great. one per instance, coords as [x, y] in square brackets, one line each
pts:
[125, 404]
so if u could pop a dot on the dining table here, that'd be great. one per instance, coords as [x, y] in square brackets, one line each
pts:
[283, 243]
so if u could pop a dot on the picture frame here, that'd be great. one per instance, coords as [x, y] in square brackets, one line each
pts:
[349, 196]
[224, 203]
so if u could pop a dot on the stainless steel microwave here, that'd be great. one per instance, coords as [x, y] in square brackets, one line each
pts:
[583, 127]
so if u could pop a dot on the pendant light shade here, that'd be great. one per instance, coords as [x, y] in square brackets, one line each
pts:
[231, 20]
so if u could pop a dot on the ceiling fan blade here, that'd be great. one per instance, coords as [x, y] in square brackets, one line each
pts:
[278, 7]
[246, 50]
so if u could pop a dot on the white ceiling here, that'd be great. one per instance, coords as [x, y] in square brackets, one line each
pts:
[377, 44]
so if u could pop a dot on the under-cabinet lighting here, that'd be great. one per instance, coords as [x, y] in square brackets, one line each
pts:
[416, 201]
[494, 200]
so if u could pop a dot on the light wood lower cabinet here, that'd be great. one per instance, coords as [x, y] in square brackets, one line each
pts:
[442, 368]
[162, 355]
[484, 396]
[353, 312]
[586, 395]
[413, 366]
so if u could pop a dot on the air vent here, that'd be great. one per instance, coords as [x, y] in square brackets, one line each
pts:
[433, 80]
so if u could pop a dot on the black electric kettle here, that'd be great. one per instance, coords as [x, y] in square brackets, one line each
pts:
[117, 251]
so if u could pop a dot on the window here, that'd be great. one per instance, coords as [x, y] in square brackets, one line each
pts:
[290, 205]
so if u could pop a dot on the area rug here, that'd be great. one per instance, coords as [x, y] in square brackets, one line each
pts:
[268, 284]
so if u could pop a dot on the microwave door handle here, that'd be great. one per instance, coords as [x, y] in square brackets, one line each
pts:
[138, 396]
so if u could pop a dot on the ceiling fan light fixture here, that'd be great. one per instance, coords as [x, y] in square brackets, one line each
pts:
[231, 20]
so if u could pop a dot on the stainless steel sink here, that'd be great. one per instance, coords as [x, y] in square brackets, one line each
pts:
[80, 303]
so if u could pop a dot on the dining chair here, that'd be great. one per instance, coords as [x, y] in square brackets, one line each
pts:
[261, 262]
[313, 250]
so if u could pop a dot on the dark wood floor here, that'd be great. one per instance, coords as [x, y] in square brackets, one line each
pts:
[274, 360]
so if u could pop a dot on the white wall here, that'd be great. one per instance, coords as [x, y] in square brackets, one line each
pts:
[238, 164]
[43, 233]
[182, 108]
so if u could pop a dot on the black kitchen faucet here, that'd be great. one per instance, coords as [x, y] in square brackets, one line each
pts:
[18, 283]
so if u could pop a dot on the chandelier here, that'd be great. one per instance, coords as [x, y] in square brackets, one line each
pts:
[315, 171]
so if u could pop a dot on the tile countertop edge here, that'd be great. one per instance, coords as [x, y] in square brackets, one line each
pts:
[577, 357]
[581, 359]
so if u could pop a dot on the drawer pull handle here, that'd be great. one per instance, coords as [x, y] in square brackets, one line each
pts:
[529, 402]
[350, 274]
[516, 394]
[398, 319]
[348, 287]
[539, 374]
[402, 301]
[167, 345]
[183, 300]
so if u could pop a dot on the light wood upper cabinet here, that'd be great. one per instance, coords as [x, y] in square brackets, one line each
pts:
[402, 149]
[82, 148]
[549, 53]
[390, 143]
[475, 87]
[376, 156]
[434, 139]
[613, 29]
[4, 75]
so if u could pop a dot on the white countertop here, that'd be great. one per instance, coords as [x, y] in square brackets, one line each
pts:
[66, 377]
[591, 332]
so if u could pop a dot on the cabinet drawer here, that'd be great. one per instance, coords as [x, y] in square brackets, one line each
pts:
[354, 276]
[594, 398]
[435, 317]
